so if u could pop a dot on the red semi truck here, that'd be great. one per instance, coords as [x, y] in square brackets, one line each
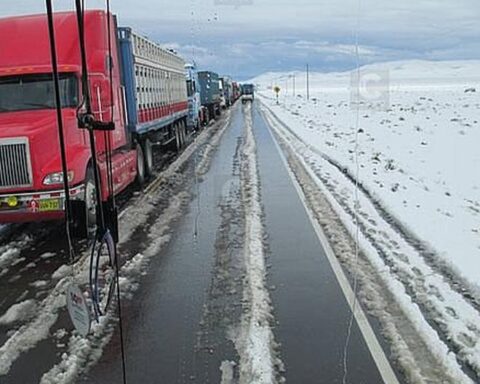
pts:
[149, 108]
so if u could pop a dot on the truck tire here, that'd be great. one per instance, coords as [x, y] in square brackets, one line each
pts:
[183, 128]
[180, 134]
[148, 154]
[140, 179]
[84, 211]
[178, 137]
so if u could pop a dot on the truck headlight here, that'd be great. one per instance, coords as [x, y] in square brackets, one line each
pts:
[57, 178]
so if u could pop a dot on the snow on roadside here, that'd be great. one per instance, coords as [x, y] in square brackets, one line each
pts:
[61, 272]
[418, 157]
[18, 311]
[255, 341]
[211, 146]
[47, 255]
[420, 206]
[228, 372]
[9, 253]
[399, 266]
[28, 335]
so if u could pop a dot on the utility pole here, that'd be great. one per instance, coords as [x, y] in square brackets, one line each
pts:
[294, 85]
[308, 83]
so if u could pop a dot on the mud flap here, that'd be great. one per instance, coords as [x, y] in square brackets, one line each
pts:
[78, 227]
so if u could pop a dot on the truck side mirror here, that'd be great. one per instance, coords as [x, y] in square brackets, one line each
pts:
[100, 95]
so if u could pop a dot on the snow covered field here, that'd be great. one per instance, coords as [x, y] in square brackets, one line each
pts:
[419, 157]
[418, 212]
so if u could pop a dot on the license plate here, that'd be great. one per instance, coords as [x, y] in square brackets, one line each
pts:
[49, 205]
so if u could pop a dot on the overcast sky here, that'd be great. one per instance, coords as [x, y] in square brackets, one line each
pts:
[248, 37]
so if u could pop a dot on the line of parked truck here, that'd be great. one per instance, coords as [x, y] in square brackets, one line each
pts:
[154, 98]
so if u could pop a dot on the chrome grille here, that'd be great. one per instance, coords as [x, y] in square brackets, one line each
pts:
[15, 169]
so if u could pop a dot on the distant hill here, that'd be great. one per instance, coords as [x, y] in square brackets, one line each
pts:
[411, 73]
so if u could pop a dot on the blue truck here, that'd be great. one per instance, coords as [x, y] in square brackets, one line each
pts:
[210, 96]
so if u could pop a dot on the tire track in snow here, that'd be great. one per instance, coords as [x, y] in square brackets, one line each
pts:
[457, 282]
[254, 340]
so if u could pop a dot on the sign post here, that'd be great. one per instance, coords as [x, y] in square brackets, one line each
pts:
[277, 91]
[308, 82]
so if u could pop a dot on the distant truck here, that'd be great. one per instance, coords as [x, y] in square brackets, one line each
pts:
[210, 93]
[226, 89]
[236, 91]
[149, 107]
[196, 112]
[248, 93]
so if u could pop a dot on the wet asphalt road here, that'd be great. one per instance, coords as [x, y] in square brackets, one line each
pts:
[309, 306]
[179, 320]
[172, 337]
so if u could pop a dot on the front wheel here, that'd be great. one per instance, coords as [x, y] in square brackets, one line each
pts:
[148, 154]
[85, 211]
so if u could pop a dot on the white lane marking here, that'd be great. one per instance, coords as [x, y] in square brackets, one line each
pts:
[371, 340]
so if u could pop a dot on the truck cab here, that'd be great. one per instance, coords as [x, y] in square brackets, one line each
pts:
[248, 91]
[226, 91]
[210, 93]
[31, 177]
[195, 115]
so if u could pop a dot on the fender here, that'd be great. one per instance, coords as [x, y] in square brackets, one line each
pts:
[78, 159]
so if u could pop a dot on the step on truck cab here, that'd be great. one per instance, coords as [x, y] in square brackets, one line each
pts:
[153, 98]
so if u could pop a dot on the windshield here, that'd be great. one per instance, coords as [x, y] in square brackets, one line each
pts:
[26, 92]
[190, 88]
[248, 89]
[293, 187]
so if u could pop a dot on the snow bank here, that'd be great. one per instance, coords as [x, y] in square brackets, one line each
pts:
[61, 272]
[211, 146]
[9, 253]
[19, 311]
[27, 336]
